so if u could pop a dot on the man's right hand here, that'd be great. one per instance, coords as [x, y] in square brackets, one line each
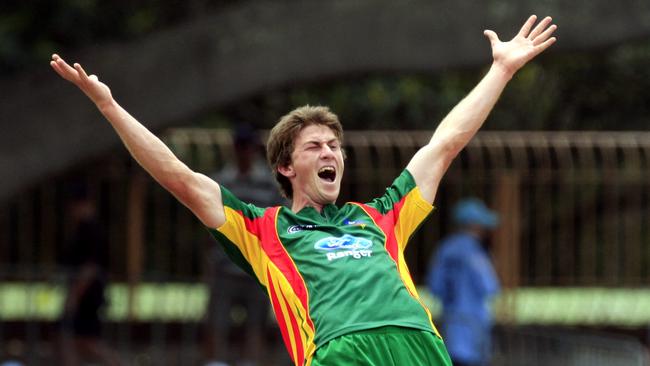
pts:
[97, 91]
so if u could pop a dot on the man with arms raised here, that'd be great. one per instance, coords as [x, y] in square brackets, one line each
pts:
[336, 276]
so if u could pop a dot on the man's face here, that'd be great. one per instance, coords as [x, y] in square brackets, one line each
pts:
[316, 166]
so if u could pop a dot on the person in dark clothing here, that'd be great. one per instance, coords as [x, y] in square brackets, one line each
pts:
[86, 262]
[248, 177]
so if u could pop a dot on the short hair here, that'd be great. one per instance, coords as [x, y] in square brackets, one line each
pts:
[280, 143]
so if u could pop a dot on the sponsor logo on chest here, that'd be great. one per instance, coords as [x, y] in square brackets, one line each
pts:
[298, 228]
[344, 246]
[293, 229]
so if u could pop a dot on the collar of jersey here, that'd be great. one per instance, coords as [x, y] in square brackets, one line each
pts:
[329, 211]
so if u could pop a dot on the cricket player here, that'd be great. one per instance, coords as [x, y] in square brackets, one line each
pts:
[335, 274]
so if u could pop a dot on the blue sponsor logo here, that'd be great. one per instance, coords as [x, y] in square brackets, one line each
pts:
[347, 242]
[355, 222]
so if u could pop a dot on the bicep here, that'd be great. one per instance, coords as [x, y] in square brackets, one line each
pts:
[202, 196]
[427, 167]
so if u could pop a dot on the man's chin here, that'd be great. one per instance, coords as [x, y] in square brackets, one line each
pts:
[330, 197]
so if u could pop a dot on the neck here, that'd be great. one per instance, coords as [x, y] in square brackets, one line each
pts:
[299, 202]
[297, 206]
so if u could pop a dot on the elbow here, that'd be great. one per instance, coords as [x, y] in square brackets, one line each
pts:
[179, 181]
[449, 148]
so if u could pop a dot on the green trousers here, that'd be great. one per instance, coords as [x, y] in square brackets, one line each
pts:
[385, 346]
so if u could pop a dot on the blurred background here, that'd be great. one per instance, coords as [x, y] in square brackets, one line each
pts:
[564, 159]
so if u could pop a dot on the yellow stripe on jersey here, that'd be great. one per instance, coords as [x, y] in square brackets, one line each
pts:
[291, 306]
[413, 212]
[234, 229]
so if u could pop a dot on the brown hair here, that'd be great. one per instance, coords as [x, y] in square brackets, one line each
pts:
[279, 145]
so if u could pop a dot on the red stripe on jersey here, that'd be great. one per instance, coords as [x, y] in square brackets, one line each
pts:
[300, 352]
[386, 223]
[277, 309]
[278, 254]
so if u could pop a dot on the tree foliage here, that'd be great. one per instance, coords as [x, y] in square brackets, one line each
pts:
[31, 30]
[594, 90]
[603, 89]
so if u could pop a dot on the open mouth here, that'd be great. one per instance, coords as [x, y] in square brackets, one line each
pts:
[327, 173]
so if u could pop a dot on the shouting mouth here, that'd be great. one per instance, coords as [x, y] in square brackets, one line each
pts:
[327, 173]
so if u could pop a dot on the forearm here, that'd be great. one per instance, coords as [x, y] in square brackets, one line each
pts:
[196, 191]
[147, 149]
[454, 132]
[464, 120]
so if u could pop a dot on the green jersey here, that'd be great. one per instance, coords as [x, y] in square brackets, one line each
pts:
[335, 272]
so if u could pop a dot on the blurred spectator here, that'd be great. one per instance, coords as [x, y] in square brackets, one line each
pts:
[13, 353]
[234, 296]
[11, 363]
[461, 275]
[86, 262]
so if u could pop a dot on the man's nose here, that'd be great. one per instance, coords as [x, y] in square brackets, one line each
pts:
[326, 151]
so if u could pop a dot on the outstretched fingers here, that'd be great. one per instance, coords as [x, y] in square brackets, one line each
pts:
[63, 69]
[525, 29]
[544, 36]
[75, 74]
[544, 45]
[98, 92]
[57, 68]
[82, 73]
[541, 26]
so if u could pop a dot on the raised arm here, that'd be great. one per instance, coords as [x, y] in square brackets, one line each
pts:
[196, 191]
[454, 132]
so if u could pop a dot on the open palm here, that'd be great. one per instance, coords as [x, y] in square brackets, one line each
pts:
[527, 44]
[97, 91]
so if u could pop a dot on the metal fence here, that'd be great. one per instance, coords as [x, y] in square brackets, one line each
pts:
[575, 205]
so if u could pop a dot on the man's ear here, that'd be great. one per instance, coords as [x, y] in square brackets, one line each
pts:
[287, 171]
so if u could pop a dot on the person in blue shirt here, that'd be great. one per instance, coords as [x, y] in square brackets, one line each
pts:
[462, 277]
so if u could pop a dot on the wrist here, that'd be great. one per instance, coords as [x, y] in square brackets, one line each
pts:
[105, 105]
[502, 71]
